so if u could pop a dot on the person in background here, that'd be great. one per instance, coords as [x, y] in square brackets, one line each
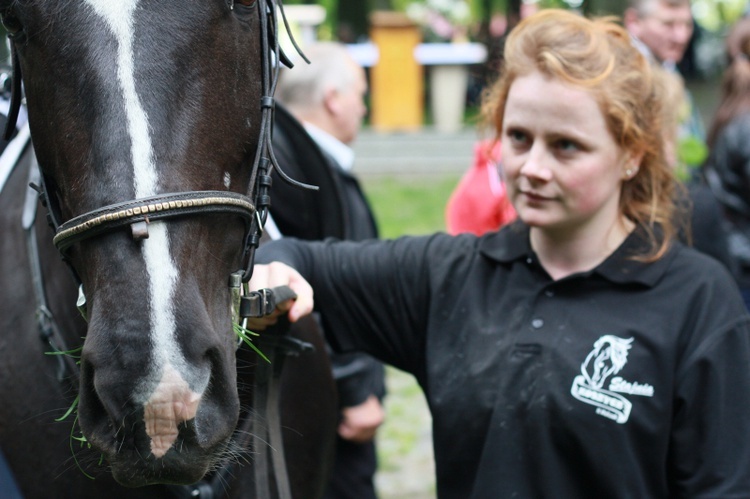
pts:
[581, 351]
[698, 209]
[661, 31]
[480, 203]
[727, 169]
[327, 97]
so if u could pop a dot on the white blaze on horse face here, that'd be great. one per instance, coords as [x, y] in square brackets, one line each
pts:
[167, 357]
[119, 16]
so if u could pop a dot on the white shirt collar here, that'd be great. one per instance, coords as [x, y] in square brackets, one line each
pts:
[342, 153]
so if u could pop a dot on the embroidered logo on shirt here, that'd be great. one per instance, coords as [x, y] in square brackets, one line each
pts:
[609, 356]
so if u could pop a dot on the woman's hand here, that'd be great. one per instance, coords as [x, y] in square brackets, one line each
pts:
[278, 274]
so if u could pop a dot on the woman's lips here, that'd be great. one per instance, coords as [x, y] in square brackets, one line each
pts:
[533, 196]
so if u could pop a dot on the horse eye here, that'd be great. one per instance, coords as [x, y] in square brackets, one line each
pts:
[246, 3]
[11, 23]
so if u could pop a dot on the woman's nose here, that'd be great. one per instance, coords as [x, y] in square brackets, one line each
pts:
[535, 164]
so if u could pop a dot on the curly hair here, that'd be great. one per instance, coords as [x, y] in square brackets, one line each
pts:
[597, 55]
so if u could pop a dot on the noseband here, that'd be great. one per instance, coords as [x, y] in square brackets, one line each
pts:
[138, 214]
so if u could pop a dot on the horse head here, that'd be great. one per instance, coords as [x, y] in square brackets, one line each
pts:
[609, 356]
[129, 100]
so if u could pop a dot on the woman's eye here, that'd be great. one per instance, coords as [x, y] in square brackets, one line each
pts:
[567, 146]
[517, 137]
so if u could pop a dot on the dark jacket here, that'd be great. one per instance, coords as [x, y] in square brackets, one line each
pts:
[727, 171]
[698, 206]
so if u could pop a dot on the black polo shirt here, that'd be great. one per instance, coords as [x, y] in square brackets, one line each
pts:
[630, 380]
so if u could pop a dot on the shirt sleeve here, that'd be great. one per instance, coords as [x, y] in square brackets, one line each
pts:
[373, 296]
[710, 446]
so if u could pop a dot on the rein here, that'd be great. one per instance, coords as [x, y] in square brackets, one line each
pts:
[137, 214]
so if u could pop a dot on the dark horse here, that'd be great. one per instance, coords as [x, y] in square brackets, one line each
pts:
[145, 117]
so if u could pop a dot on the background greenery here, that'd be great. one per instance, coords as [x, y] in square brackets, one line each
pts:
[713, 15]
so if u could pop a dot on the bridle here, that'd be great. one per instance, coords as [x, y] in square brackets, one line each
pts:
[139, 213]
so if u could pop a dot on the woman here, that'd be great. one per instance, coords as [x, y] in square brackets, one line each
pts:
[580, 352]
[727, 169]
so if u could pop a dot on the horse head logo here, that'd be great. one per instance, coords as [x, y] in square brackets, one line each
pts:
[609, 356]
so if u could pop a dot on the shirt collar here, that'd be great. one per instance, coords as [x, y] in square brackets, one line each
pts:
[341, 153]
[512, 243]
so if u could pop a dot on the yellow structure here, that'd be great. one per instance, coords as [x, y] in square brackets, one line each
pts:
[397, 80]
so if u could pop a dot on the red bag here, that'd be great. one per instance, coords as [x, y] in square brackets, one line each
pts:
[479, 203]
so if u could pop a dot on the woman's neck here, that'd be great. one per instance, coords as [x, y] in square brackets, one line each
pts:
[563, 253]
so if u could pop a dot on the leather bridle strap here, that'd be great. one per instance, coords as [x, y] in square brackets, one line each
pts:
[146, 210]
[47, 324]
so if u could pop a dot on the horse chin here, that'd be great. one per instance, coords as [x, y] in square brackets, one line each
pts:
[134, 464]
[173, 468]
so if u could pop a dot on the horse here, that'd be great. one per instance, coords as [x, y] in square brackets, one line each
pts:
[120, 372]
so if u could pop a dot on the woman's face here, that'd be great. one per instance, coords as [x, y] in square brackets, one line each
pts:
[563, 167]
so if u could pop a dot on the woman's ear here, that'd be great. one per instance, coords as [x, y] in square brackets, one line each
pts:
[631, 165]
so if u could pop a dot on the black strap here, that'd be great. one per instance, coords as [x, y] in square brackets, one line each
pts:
[48, 329]
[262, 302]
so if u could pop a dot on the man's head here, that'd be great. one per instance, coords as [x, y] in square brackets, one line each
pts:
[329, 92]
[664, 26]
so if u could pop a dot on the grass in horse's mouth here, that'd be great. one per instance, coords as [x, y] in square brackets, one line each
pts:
[73, 409]
[74, 352]
[245, 335]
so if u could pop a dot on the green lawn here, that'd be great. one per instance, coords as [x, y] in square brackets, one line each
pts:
[412, 205]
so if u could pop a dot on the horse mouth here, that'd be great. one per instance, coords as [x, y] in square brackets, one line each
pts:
[128, 449]
[186, 462]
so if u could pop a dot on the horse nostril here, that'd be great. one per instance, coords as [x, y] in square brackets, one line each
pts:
[93, 417]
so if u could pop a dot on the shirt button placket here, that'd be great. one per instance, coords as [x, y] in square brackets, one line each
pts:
[538, 322]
